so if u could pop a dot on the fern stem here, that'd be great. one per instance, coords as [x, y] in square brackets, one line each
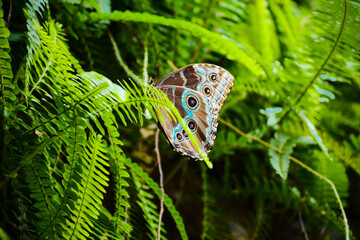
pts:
[95, 151]
[98, 89]
[117, 159]
[9, 15]
[146, 59]
[41, 77]
[128, 71]
[237, 130]
[302, 94]
[157, 149]
[297, 161]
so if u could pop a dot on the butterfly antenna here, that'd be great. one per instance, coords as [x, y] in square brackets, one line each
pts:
[151, 81]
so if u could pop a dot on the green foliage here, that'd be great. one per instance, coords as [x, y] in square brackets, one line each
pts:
[281, 161]
[77, 159]
[7, 87]
[218, 43]
[332, 169]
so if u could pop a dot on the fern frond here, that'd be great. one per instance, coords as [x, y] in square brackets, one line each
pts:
[314, 132]
[44, 191]
[338, 150]
[52, 69]
[325, 47]
[281, 162]
[33, 10]
[85, 191]
[232, 50]
[104, 226]
[120, 174]
[139, 172]
[344, 151]
[8, 97]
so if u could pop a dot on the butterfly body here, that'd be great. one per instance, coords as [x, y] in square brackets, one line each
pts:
[198, 91]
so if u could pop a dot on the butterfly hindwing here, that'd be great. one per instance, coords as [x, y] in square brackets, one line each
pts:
[198, 91]
[197, 119]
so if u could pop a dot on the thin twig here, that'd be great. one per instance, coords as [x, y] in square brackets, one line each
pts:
[302, 224]
[161, 182]
[105, 235]
[9, 15]
[297, 161]
[146, 59]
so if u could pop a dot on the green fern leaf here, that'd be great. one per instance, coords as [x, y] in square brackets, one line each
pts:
[89, 189]
[281, 161]
[120, 175]
[6, 74]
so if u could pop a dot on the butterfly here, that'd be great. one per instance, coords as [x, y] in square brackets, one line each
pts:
[198, 91]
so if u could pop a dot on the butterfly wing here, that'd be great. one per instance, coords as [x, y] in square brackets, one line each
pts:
[198, 91]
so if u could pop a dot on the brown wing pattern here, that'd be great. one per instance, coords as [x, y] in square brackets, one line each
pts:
[198, 91]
